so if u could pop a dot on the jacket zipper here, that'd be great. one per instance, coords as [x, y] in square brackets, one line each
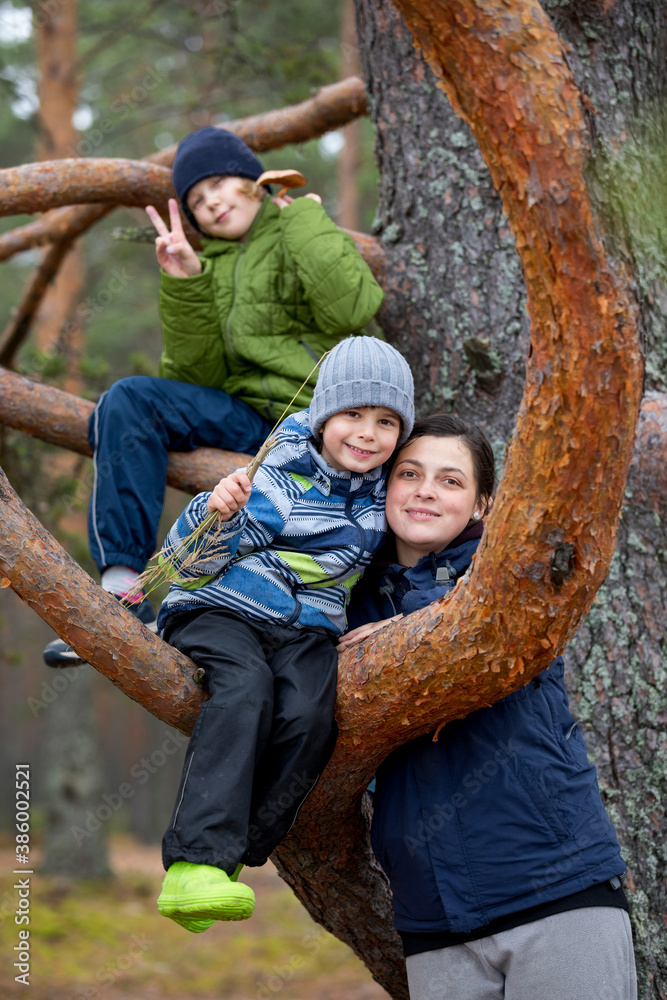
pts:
[349, 504]
[228, 336]
[349, 507]
[237, 270]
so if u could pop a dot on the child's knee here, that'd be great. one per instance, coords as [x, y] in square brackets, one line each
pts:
[136, 392]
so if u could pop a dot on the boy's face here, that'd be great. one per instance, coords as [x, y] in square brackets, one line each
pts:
[221, 208]
[361, 439]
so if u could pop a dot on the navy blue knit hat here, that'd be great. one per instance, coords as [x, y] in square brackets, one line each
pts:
[207, 152]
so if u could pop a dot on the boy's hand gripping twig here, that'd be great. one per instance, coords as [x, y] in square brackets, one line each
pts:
[230, 495]
[174, 253]
[233, 492]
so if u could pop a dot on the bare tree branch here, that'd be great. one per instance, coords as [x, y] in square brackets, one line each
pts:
[330, 108]
[60, 418]
[37, 187]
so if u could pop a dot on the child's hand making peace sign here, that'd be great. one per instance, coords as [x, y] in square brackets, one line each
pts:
[174, 253]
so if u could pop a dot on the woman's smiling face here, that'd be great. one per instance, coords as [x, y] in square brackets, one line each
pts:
[431, 496]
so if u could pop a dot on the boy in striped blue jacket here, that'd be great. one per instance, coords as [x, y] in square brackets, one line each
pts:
[262, 613]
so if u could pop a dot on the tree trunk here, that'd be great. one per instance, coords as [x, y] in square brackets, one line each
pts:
[456, 307]
[57, 89]
[74, 773]
[75, 845]
[347, 172]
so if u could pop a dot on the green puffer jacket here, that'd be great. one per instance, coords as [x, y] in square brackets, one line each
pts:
[263, 311]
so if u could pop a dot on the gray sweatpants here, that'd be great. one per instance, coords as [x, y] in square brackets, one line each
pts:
[578, 955]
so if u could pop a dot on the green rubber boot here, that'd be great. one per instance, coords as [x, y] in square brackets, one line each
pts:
[196, 895]
[191, 923]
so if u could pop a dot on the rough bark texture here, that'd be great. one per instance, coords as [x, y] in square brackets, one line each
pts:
[455, 304]
[456, 307]
[330, 108]
[38, 187]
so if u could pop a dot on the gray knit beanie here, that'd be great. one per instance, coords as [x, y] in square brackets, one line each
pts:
[364, 371]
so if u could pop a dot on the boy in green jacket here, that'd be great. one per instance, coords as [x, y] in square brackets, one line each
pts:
[278, 285]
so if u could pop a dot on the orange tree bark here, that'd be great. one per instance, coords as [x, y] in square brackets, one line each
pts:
[330, 108]
[347, 170]
[37, 187]
[57, 90]
[551, 535]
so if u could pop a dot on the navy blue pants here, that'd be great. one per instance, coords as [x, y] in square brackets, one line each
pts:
[259, 742]
[133, 427]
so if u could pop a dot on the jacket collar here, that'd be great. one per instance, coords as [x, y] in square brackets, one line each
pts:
[457, 555]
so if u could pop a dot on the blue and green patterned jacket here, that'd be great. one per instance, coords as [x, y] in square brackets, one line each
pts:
[294, 552]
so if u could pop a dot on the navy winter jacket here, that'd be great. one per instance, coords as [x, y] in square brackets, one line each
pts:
[503, 812]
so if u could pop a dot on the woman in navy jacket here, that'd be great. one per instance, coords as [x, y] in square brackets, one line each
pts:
[504, 867]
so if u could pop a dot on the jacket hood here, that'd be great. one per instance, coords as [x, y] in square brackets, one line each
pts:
[295, 451]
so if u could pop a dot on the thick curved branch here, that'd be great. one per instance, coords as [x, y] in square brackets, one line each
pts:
[330, 108]
[98, 628]
[60, 418]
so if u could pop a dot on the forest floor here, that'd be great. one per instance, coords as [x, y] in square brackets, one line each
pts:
[104, 940]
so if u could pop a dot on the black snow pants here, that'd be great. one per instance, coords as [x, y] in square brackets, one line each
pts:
[260, 741]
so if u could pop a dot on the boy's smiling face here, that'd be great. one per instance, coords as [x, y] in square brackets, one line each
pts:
[361, 439]
[222, 209]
